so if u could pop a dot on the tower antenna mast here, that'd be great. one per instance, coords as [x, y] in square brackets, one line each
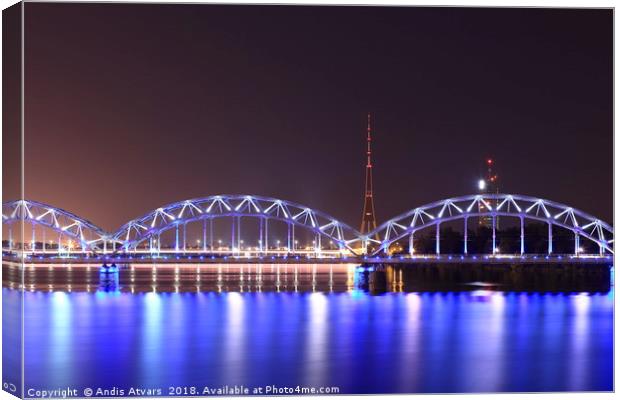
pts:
[369, 221]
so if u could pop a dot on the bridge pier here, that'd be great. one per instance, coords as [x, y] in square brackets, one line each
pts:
[411, 245]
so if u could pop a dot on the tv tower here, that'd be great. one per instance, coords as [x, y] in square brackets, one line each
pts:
[369, 221]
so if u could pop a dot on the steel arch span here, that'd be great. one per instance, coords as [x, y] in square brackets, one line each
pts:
[171, 216]
[87, 235]
[492, 206]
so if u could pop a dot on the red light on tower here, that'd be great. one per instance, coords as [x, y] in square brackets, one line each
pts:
[488, 186]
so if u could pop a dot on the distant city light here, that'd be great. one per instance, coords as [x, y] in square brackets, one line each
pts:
[482, 184]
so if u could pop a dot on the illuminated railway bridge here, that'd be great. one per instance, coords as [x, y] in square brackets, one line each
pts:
[242, 227]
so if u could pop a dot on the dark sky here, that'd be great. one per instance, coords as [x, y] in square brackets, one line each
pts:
[129, 107]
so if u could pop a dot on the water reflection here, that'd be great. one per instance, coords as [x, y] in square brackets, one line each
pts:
[60, 333]
[325, 278]
[316, 341]
[187, 278]
[579, 335]
[152, 343]
[234, 341]
[365, 330]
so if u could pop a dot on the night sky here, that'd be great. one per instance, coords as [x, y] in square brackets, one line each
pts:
[129, 107]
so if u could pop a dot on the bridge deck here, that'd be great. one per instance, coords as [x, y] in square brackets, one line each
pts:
[430, 259]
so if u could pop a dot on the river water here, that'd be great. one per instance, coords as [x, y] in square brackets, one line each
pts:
[184, 329]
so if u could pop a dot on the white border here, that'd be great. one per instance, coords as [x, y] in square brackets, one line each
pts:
[479, 3]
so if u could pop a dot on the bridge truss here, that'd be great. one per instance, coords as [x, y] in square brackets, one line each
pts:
[465, 208]
[72, 234]
[176, 216]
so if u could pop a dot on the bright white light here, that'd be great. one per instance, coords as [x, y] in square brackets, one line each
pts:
[482, 184]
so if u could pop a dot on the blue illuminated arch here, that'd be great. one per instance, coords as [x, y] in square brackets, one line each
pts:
[494, 205]
[93, 239]
[89, 236]
[167, 217]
